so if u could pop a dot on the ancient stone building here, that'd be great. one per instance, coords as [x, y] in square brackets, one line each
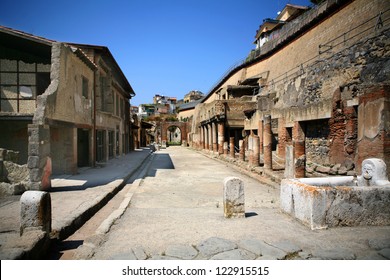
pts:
[313, 100]
[63, 106]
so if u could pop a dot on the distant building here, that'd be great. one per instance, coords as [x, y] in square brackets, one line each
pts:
[193, 95]
[146, 110]
[270, 28]
[134, 110]
[165, 100]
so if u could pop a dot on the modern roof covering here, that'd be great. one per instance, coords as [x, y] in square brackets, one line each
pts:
[14, 43]
[189, 105]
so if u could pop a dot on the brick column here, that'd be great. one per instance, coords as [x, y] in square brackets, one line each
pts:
[221, 137]
[267, 134]
[214, 135]
[200, 137]
[282, 138]
[255, 153]
[261, 139]
[210, 130]
[351, 128]
[299, 150]
[232, 153]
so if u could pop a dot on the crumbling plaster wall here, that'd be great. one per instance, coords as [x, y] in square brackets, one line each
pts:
[61, 103]
[67, 102]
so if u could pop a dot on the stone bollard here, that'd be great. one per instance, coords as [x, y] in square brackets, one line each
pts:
[35, 211]
[233, 198]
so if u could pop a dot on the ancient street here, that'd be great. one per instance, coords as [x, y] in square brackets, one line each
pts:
[176, 212]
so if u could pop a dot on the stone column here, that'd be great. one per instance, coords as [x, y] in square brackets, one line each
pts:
[232, 153]
[210, 129]
[225, 148]
[206, 137]
[248, 145]
[214, 135]
[204, 140]
[39, 160]
[256, 154]
[241, 145]
[201, 137]
[267, 142]
[299, 150]
[221, 137]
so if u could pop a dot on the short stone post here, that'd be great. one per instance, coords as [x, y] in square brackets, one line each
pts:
[35, 211]
[233, 198]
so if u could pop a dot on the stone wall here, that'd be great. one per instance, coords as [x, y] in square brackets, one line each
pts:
[14, 178]
[317, 141]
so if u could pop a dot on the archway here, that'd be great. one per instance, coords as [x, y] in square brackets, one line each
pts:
[175, 127]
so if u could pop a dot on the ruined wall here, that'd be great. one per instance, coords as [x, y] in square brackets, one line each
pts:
[13, 177]
[317, 141]
[67, 103]
[18, 141]
[62, 105]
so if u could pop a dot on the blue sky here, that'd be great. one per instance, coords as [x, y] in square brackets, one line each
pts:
[163, 47]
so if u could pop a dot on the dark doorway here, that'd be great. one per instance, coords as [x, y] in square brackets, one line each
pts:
[100, 139]
[82, 147]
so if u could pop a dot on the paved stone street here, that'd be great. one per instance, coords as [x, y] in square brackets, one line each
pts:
[176, 212]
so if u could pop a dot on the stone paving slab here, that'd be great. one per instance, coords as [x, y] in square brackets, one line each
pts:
[184, 252]
[215, 248]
